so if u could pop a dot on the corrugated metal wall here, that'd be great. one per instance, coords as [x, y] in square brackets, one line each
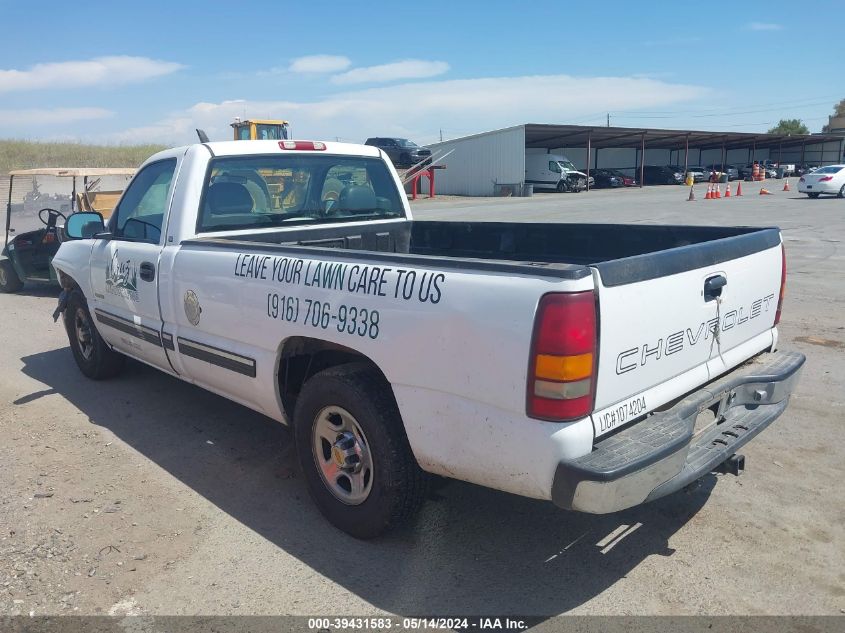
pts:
[481, 161]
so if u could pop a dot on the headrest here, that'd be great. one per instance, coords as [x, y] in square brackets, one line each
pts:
[224, 198]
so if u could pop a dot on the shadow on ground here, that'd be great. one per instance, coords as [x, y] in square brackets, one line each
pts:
[471, 551]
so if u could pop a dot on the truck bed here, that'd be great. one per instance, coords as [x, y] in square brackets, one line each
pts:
[623, 253]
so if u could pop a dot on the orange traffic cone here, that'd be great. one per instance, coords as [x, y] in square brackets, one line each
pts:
[709, 194]
[718, 191]
[691, 195]
[786, 185]
[728, 190]
[765, 192]
[739, 189]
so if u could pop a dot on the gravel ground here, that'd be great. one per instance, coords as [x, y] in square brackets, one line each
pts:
[144, 495]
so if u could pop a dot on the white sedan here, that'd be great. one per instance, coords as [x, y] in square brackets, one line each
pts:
[829, 180]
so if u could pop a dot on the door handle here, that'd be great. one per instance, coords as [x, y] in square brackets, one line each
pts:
[713, 287]
[148, 271]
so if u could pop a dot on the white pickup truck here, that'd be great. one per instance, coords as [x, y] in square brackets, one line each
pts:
[596, 366]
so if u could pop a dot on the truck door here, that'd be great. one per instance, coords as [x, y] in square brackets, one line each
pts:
[124, 269]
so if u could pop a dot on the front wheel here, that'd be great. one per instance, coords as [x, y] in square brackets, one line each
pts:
[813, 195]
[94, 358]
[9, 280]
[562, 186]
[353, 451]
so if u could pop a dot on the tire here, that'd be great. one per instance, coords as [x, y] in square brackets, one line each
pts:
[405, 160]
[562, 187]
[95, 359]
[355, 401]
[841, 193]
[9, 280]
[813, 195]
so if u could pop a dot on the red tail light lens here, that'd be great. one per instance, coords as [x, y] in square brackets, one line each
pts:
[825, 178]
[782, 283]
[314, 146]
[561, 375]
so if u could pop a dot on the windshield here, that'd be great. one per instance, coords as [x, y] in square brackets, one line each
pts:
[245, 192]
[833, 169]
[30, 194]
[269, 132]
[403, 142]
[566, 165]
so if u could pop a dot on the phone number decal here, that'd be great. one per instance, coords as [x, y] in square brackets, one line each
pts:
[344, 318]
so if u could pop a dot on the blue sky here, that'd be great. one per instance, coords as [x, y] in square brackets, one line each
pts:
[133, 72]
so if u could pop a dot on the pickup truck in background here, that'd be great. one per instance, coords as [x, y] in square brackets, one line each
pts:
[598, 366]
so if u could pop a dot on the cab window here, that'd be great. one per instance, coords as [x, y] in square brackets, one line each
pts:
[141, 211]
[553, 166]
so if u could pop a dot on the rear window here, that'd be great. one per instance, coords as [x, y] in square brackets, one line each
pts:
[245, 192]
[832, 169]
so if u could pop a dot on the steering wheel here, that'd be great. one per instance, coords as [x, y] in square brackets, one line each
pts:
[52, 216]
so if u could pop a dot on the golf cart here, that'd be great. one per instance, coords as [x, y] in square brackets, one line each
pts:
[39, 203]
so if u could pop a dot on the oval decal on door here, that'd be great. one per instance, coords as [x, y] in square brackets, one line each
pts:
[193, 310]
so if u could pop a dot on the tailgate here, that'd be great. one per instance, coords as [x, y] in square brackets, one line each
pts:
[672, 320]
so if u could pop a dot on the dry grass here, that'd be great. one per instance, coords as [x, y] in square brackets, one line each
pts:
[28, 154]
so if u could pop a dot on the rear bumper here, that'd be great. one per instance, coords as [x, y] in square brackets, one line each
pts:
[662, 453]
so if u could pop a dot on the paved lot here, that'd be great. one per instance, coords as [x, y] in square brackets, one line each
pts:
[146, 495]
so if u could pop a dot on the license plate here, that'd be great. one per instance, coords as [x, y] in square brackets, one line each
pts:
[809, 186]
[619, 414]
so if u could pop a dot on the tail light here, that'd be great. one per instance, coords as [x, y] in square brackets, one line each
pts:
[562, 371]
[314, 146]
[825, 178]
[782, 283]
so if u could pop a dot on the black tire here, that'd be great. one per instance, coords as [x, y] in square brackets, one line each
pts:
[9, 280]
[562, 187]
[398, 486]
[405, 160]
[841, 193]
[94, 358]
[814, 195]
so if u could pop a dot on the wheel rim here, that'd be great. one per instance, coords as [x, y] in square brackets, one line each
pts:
[342, 455]
[84, 336]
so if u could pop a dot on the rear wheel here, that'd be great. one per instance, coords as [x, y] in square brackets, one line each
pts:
[814, 194]
[353, 451]
[9, 280]
[841, 193]
[93, 357]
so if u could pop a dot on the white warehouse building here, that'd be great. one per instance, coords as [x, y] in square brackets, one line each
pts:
[479, 162]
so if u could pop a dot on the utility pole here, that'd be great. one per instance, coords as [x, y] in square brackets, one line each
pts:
[608, 119]
[441, 135]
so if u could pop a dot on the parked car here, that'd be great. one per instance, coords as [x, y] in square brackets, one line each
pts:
[828, 180]
[699, 173]
[401, 151]
[800, 170]
[731, 170]
[746, 172]
[605, 178]
[661, 175]
[557, 361]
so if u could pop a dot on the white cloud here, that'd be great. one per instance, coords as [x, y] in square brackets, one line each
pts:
[40, 117]
[407, 69]
[418, 110]
[93, 72]
[765, 26]
[319, 64]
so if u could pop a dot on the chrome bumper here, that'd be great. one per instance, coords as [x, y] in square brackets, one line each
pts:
[661, 454]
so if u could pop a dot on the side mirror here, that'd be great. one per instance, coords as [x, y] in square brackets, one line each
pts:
[84, 225]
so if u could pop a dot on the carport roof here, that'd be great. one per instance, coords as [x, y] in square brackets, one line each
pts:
[549, 136]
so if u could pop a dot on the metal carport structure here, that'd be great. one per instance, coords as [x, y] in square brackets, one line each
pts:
[482, 160]
[546, 136]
